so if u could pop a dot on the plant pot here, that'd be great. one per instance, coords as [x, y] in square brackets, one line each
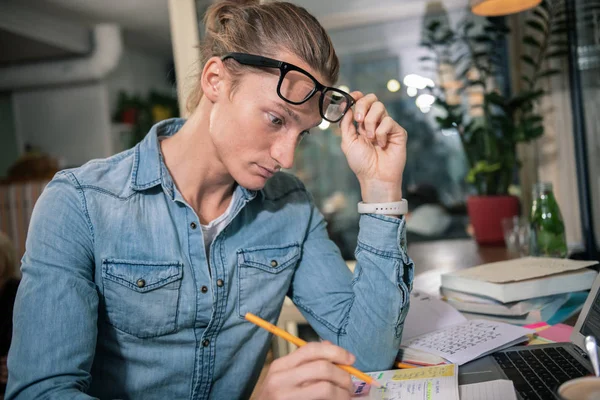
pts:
[486, 214]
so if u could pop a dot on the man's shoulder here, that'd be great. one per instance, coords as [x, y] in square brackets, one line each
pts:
[112, 174]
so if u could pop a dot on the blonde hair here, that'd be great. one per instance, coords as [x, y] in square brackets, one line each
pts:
[8, 259]
[246, 26]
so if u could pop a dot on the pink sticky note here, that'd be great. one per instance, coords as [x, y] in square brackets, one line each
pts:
[557, 333]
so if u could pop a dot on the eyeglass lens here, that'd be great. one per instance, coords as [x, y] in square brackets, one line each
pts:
[296, 87]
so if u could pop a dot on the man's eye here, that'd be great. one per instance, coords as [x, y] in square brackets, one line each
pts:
[275, 120]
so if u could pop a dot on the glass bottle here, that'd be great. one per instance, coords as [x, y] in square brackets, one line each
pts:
[547, 230]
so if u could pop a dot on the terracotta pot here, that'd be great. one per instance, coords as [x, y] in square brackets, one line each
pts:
[486, 214]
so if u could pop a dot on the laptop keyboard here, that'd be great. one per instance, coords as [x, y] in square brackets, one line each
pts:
[537, 373]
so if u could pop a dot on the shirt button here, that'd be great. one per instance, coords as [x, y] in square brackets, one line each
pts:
[141, 283]
[274, 263]
[220, 282]
[193, 225]
[204, 289]
[205, 342]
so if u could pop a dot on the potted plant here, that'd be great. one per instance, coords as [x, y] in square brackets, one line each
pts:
[489, 122]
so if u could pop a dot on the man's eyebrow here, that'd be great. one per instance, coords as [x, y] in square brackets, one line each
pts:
[289, 112]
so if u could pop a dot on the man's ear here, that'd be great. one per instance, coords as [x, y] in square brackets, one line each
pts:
[213, 79]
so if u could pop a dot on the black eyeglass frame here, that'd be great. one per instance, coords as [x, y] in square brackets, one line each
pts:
[284, 68]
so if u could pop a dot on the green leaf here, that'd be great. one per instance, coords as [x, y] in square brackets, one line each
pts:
[542, 15]
[557, 54]
[533, 120]
[545, 5]
[559, 31]
[536, 25]
[459, 58]
[433, 25]
[475, 82]
[529, 60]
[530, 40]
[482, 39]
[548, 73]
[448, 36]
[482, 168]
[527, 80]
[495, 98]
[525, 98]
[559, 43]
[534, 132]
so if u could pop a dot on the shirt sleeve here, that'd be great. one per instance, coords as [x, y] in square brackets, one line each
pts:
[362, 312]
[56, 308]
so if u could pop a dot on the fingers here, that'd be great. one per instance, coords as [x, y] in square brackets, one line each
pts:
[312, 352]
[321, 371]
[372, 122]
[369, 112]
[382, 132]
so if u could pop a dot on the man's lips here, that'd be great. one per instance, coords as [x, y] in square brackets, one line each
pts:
[266, 172]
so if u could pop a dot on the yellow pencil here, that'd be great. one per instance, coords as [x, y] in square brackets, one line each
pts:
[405, 366]
[299, 342]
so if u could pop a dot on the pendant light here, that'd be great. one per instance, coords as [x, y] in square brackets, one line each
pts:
[494, 8]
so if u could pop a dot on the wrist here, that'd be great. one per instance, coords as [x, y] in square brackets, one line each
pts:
[380, 192]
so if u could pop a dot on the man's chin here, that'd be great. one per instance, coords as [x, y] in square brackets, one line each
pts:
[253, 183]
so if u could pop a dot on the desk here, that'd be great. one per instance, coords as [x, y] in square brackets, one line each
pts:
[432, 259]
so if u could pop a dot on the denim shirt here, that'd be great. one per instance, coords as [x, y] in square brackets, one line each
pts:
[117, 299]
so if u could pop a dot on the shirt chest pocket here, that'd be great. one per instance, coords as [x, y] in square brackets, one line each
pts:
[265, 274]
[141, 297]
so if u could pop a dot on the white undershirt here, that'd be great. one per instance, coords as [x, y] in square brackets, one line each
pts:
[214, 227]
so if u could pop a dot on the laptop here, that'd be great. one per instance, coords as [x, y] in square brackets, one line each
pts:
[538, 370]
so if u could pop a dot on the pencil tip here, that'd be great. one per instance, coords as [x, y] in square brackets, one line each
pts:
[376, 384]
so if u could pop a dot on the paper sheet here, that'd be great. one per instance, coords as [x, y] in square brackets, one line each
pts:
[491, 390]
[430, 383]
[428, 314]
[469, 340]
[521, 269]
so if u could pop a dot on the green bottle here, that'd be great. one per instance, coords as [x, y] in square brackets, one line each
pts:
[547, 229]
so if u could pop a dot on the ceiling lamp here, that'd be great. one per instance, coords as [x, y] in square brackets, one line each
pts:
[494, 8]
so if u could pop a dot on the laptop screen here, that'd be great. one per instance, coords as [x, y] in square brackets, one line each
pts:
[591, 325]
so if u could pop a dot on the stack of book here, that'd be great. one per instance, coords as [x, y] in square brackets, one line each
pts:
[520, 291]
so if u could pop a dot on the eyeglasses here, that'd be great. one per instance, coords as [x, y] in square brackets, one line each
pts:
[296, 86]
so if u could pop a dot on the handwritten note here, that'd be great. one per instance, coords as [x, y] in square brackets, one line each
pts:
[470, 340]
[491, 390]
[430, 383]
[439, 314]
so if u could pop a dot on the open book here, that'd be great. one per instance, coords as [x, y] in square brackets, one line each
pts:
[433, 326]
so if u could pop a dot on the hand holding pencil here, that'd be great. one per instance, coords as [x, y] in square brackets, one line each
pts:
[317, 370]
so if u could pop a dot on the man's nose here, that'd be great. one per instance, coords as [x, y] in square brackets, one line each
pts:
[283, 151]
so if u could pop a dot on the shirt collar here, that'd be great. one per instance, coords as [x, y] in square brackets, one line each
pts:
[149, 169]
